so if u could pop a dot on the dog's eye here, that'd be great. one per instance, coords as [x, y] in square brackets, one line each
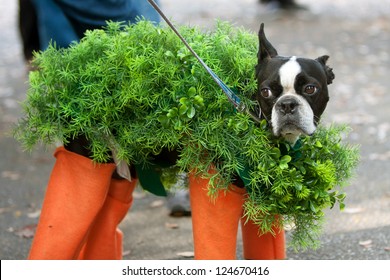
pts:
[310, 89]
[265, 92]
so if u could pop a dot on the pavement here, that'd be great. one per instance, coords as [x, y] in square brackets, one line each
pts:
[356, 35]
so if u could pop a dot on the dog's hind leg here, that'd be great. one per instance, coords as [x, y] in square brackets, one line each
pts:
[266, 246]
[104, 240]
[75, 194]
[215, 223]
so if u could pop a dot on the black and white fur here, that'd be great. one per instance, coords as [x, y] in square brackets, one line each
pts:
[292, 91]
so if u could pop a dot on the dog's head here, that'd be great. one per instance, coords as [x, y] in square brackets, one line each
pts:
[292, 91]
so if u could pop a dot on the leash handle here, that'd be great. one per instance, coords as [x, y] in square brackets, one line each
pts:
[232, 97]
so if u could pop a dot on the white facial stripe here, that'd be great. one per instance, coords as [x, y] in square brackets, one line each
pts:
[288, 72]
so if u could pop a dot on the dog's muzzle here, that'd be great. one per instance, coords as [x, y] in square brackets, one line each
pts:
[291, 117]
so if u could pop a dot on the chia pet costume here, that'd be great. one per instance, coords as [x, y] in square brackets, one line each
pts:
[101, 88]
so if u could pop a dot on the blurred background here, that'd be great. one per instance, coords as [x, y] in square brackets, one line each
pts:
[356, 35]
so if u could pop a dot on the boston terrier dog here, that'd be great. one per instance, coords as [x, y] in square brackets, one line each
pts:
[292, 91]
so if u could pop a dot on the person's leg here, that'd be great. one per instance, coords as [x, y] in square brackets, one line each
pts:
[53, 25]
[283, 4]
[215, 223]
[144, 9]
[28, 28]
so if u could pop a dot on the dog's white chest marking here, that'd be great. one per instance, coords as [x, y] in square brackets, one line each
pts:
[287, 73]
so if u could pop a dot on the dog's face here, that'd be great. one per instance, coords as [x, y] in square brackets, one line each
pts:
[292, 92]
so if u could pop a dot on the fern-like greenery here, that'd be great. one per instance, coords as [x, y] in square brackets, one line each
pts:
[140, 86]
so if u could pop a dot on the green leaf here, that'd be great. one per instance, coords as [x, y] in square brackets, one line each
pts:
[341, 196]
[242, 126]
[183, 100]
[169, 54]
[302, 169]
[164, 120]
[313, 207]
[183, 109]
[199, 100]
[283, 165]
[191, 112]
[318, 144]
[285, 159]
[178, 126]
[298, 187]
[191, 91]
[172, 113]
[275, 153]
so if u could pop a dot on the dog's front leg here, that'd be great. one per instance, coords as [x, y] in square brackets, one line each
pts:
[215, 223]
[215, 226]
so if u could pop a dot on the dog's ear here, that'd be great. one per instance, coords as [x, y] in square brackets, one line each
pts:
[266, 50]
[328, 71]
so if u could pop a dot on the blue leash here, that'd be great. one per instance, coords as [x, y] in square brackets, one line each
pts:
[232, 97]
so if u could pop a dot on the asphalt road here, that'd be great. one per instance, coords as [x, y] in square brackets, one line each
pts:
[356, 35]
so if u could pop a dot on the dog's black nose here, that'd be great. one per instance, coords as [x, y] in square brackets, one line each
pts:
[288, 105]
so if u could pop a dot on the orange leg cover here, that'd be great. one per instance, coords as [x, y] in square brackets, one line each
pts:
[75, 194]
[104, 241]
[259, 246]
[215, 224]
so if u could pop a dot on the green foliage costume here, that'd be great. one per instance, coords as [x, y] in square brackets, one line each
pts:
[137, 90]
